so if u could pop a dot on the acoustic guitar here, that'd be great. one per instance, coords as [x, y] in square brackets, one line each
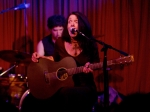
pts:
[46, 77]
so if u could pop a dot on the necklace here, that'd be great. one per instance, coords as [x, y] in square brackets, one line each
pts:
[75, 47]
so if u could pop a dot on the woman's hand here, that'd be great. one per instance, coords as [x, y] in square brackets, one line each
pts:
[48, 57]
[35, 57]
[86, 68]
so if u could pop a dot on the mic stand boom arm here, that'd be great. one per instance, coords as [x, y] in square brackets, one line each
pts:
[110, 47]
[20, 6]
[105, 45]
[3, 11]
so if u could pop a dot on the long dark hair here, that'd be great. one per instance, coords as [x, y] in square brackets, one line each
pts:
[84, 27]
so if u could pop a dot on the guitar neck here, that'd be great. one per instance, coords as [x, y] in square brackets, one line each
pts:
[121, 60]
[77, 70]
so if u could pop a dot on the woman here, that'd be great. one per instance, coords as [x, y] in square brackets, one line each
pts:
[84, 51]
[82, 96]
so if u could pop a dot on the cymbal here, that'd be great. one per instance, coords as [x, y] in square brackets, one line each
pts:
[15, 57]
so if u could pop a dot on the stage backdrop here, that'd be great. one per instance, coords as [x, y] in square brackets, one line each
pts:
[122, 24]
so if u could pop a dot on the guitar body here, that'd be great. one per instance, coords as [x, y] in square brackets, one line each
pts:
[46, 77]
[43, 78]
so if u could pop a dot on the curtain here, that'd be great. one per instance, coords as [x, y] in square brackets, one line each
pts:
[122, 24]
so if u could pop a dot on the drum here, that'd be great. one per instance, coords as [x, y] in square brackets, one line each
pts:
[24, 96]
[28, 103]
[17, 86]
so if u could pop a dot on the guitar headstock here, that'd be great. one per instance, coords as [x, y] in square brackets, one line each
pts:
[124, 59]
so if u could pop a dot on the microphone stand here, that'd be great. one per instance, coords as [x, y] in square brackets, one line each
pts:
[105, 71]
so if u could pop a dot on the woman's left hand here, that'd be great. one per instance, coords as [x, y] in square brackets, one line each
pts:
[87, 68]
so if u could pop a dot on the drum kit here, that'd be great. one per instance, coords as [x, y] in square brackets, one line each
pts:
[15, 84]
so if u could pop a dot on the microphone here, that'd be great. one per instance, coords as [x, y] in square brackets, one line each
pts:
[21, 6]
[73, 30]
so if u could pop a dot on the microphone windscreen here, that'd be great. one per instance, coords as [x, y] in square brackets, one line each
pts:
[72, 30]
[22, 6]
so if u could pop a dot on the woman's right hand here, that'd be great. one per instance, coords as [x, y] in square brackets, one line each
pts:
[35, 57]
[87, 68]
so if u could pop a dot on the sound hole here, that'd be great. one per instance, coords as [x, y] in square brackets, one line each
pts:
[62, 74]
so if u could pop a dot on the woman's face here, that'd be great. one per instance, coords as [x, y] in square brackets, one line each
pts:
[72, 23]
[56, 32]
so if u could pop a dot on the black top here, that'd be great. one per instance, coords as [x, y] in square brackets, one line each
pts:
[80, 79]
[48, 45]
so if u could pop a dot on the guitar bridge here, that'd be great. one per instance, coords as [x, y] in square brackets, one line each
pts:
[46, 76]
